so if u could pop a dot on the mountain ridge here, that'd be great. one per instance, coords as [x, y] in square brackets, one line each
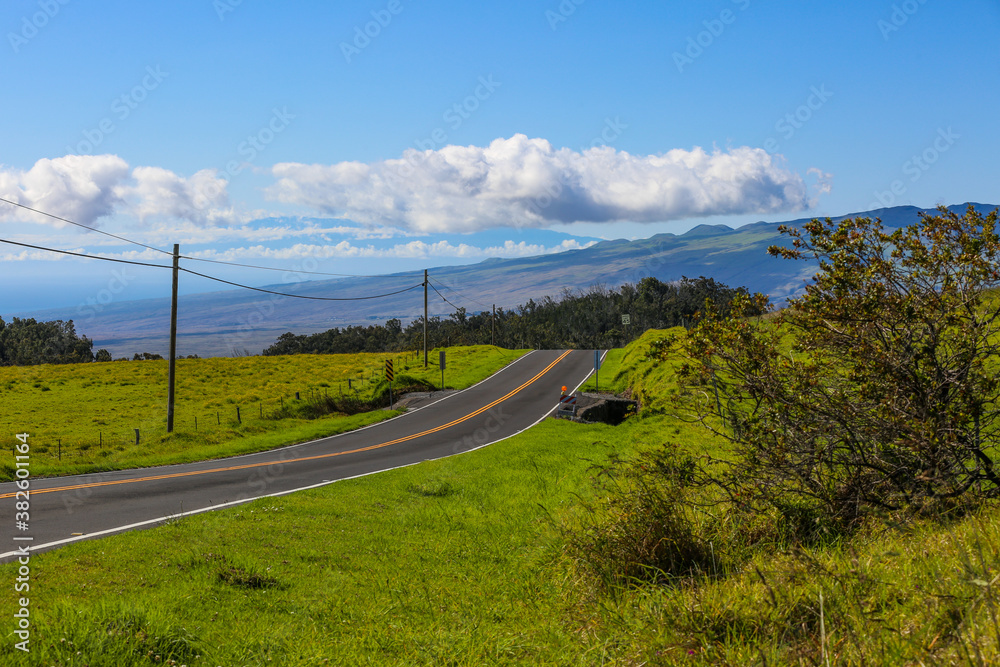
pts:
[233, 321]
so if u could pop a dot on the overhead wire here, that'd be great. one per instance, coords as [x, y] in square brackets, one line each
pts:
[301, 296]
[443, 297]
[216, 279]
[93, 229]
[313, 273]
[213, 261]
[80, 254]
[198, 259]
[467, 298]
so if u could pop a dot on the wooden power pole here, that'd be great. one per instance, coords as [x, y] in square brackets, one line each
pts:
[425, 318]
[173, 343]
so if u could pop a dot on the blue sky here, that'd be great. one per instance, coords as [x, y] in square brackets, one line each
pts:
[392, 135]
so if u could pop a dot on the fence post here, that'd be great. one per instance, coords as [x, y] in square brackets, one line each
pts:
[60, 449]
[137, 437]
[238, 420]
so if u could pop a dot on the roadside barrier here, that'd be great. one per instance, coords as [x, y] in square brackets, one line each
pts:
[567, 405]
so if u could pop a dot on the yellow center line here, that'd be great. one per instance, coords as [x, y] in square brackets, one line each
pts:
[304, 458]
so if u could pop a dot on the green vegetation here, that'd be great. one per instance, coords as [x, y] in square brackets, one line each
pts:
[608, 380]
[485, 559]
[588, 320]
[82, 417]
[875, 394]
[27, 341]
[696, 533]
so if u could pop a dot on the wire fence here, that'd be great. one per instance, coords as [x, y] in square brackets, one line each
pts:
[229, 416]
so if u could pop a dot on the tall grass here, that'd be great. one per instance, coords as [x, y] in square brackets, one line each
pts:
[701, 579]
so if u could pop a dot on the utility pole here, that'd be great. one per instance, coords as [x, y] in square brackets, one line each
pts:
[173, 343]
[493, 326]
[425, 318]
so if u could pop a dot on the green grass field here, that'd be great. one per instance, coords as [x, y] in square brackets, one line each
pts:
[466, 561]
[82, 417]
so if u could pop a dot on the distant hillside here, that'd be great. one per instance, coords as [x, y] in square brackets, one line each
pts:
[217, 323]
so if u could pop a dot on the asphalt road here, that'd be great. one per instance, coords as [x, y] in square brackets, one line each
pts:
[68, 509]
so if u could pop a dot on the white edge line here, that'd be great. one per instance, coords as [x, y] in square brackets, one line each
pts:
[232, 503]
[282, 448]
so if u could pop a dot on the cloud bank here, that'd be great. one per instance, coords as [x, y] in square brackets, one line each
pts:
[342, 250]
[86, 188]
[411, 250]
[522, 182]
[515, 182]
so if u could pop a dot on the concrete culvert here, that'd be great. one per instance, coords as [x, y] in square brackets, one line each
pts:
[605, 408]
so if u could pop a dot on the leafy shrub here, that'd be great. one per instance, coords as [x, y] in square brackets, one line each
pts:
[645, 528]
[874, 394]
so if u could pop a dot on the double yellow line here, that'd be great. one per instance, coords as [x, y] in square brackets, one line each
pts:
[455, 422]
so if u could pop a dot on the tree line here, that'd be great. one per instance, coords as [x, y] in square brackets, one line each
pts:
[592, 319]
[25, 342]
[28, 342]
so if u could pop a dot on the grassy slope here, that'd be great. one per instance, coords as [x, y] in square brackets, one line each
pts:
[627, 370]
[924, 593]
[93, 408]
[460, 561]
[448, 561]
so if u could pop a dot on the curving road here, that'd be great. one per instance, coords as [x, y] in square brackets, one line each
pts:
[69, 509]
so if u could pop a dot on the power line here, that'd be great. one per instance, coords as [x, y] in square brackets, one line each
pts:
[80, 254]
[480, 303]
[93, 229]
[198, 259]
[220, 280]
[302, 296]
[314, 273]
[443, 297]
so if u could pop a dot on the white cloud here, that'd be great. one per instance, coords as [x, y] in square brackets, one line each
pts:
[86, 188]
[81, 188]
[824, 181]
[159, 194]
[524, 182]
[189, 234]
